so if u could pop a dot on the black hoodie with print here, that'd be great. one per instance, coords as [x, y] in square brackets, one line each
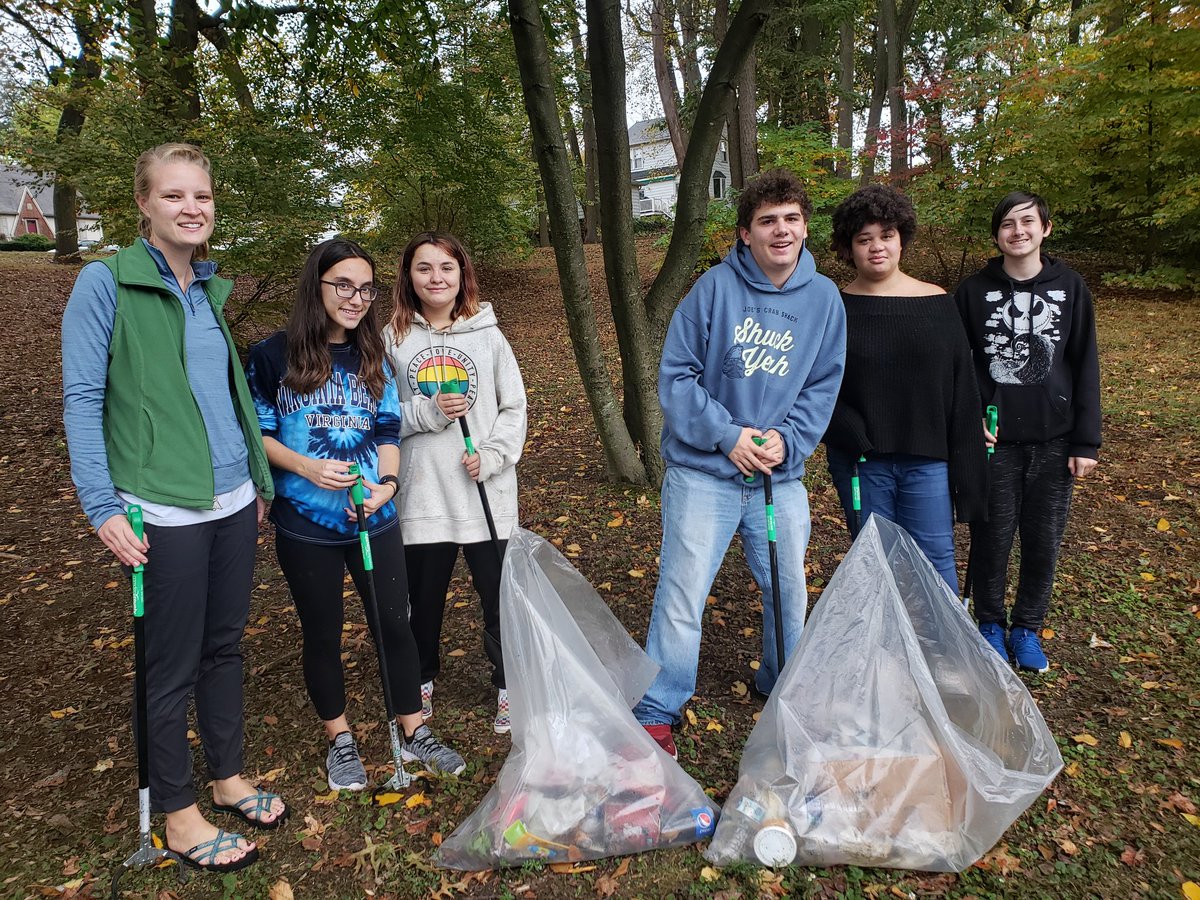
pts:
[1034, 345]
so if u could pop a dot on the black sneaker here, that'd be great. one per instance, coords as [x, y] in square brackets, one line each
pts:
[436, 756]
[343, 766]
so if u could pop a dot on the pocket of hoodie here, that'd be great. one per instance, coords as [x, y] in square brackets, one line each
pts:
[147, 447]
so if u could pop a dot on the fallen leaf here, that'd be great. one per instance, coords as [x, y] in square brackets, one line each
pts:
[691, 717]
[270, 720]
[708, 873]
[280, 890]
[1132, 857]
[1146, 576]
[1125, 740]
[326, 798]
[754, 665]
[103, 765]
[714, 726]
[637, 573]
[63, 713]
[604, 586]
[1047, 634]
[1085, 738]
[739, 688]
[388, 798]
[1068, 846]
[1178, 802]
[562, 520]
[54, 780]
[417, 799]
[1164, 525]
[1174, 743]
[1149, 685]
[458, 651]
[1099, 643]
[1191, 890]
[1072, 771]
[570, 868]
[617, 521]
[1194, 820]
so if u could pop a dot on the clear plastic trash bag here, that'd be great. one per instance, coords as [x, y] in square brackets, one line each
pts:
[583, 780]
[895, 736]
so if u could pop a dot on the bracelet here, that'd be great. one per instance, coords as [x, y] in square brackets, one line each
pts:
[394, 482]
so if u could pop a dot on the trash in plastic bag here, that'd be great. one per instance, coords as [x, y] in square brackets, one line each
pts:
[895, 736]
[583, 780]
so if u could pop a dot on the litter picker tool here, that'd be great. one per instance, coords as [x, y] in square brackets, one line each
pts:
[993, 425]
[776, 600]
[453, 387]
[856, 497]
[400, 778]
[146, 854]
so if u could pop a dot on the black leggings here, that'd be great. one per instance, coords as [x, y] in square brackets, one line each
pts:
[315, 575]
[429, 570]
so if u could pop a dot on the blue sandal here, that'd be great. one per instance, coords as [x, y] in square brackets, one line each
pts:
[208, 850]
[251, 810]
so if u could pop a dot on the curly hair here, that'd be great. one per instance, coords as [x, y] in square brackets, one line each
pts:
[773, 188]
[876, 204]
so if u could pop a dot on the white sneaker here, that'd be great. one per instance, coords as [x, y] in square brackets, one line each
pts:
[502, 724]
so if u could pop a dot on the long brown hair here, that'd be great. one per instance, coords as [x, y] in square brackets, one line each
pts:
[308, 362]
[164, 154]
[404, 298]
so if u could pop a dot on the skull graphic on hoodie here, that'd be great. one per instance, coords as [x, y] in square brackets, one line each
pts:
[1020, 335]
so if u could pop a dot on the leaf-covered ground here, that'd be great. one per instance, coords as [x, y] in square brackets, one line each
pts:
[1123, 696]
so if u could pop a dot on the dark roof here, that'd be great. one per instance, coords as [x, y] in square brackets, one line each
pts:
[648, 131]
[14, 181]
[641, 176]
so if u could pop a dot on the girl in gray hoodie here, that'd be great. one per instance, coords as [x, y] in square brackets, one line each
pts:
[451, 361]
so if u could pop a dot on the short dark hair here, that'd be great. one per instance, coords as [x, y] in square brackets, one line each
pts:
[773, 188]
[1018, 198]
[876, 204]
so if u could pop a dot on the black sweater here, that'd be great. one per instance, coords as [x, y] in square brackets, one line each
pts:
[1035, 353]
[909, 388]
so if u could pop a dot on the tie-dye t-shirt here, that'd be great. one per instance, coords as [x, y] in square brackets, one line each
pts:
[339, 420]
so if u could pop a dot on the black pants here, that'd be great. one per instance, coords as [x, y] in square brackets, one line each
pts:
[429, 569]
[314, 574]
[1030, 493]
[197, 582]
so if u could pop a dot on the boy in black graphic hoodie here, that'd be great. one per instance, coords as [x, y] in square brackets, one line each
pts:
[1032, 329]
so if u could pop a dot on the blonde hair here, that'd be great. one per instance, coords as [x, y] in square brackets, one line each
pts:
[164, 154]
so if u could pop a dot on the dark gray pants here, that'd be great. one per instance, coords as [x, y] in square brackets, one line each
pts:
[1030, 493]
[198, 580]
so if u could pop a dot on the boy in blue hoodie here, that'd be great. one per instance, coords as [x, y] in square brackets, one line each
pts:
[1032, 330]
[755, 350]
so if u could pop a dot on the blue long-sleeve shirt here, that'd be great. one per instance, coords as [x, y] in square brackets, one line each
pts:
[741, 352]
[86, 333]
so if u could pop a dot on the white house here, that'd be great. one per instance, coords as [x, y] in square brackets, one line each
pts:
[656, 174]
[27, 207]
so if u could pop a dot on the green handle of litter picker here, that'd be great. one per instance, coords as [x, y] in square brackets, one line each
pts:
[454, 386]
[855, 487]
[134, 514]
[759, 441]
[364, 539]
[993, 421]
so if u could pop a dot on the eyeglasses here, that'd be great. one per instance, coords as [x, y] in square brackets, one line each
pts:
[368, 292]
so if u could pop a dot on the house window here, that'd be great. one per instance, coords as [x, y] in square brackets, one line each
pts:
[639, 161]
[718, 185]
[31, 226]
[722, 155]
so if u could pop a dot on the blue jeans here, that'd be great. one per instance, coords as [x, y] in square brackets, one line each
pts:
[700, 514]
[912, 491]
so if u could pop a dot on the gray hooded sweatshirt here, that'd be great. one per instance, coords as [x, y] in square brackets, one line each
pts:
[438, 501]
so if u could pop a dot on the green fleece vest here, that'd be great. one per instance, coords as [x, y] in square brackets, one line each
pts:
[153, 429]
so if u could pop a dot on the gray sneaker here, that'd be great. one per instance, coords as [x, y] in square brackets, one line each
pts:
[343, 766]
[436, 756]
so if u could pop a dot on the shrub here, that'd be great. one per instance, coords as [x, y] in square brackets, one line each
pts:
[28, 242]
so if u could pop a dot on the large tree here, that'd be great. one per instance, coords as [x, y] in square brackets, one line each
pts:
[629, 434]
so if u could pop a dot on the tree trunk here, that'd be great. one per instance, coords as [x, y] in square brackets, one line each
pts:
[668, 91]
[590, 176]
[689, 60]
[897, 119]
[845, 136]
[538, 89]
[737, 177]
[84, 71]
[747, 113]
[639, 356]
[143, 38]
[875, 111]
[182, 42]
[691, 211]
[1074, 24]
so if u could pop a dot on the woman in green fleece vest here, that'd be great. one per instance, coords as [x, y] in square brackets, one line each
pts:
[158, 414]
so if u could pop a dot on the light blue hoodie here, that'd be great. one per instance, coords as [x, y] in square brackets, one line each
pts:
[742, 352]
